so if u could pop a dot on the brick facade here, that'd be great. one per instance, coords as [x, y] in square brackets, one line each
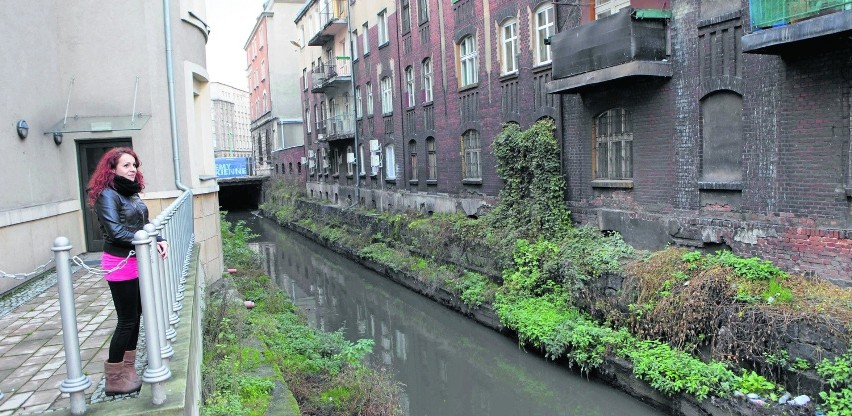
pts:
[792, 204]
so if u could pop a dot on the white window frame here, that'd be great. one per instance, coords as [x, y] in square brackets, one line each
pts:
[390, 162]
[370, 102]
[263, 70]
[545, 27]
[386, 86]
[366, 38]
[427, 80]
[354, 40]
[468, 74]
[358, 104]
[423, 11]
[308, 119]
[350, 167]
[363, 170]
[409, 85]
[382, 25]
[604, 8]
[509, 44]
[472, 168]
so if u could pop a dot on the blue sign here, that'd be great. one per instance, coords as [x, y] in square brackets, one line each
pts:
[231, 167]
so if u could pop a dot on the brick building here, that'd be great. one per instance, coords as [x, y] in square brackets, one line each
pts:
[276, 121]
[429, 84]
[712, 124]
[230, 130]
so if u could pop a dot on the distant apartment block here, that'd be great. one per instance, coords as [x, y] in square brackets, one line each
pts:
[231, 121]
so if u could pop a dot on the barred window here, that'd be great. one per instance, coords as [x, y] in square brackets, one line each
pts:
[613, 145]
[472, 149]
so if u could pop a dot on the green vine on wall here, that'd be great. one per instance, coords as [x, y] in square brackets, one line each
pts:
[532, 200]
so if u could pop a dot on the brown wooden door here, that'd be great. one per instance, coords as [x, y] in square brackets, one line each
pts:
[89, 152]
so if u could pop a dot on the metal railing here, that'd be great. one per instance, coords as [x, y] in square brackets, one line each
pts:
[330, 12]
[161, 283]
[341, 125]
[771, 13]
[324, 74]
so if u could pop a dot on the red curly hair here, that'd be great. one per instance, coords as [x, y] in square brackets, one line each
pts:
[103, 177]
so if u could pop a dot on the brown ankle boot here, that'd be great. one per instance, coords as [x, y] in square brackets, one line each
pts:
[130, 368]
[116, 380]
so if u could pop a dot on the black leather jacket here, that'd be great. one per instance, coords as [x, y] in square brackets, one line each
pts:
[120, 217]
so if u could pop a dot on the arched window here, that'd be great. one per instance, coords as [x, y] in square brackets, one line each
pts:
[412, 159]
[409, 85]
[361, 170]
[431, 159]
[387, 95]
[467, 61]
[265, 103]
[613, 145]
[369, 88]
[350, 161]
[509, 46]
[427, 80]
[545, 26]
[722, 137]
[472, 150]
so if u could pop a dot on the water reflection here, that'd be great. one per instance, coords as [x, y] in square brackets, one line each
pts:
[448, 364]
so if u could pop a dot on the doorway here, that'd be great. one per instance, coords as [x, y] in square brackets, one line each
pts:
[89, 152]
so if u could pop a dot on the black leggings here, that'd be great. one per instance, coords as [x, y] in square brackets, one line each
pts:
[128, 306]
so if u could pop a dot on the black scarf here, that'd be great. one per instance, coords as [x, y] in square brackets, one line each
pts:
[125, 186]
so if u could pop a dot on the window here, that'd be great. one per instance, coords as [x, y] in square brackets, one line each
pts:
[263, 70]
[353, 37]
[509, 42]
[265, 103]
[545, 27]
[427, 80]
[337, 160]
[467, 58]
[366, 39]
[350, 164]
[613, 145]
[721, 137]
[471, 148]
[383, 27]
[387, 95]
[406, 16]
[361, 169]
[390, 162]
[299, 168]
[412, 157]
[604, 8]
[304, 79]
[369, 99]
[358, 109]
[308, 119]
[432, 159]
[423, 10]
[409, 85]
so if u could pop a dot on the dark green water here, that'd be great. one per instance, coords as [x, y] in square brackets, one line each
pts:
[448, 364]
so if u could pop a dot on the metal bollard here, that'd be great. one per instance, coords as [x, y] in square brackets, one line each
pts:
[157, 371]
[166, 350]
[76, 382]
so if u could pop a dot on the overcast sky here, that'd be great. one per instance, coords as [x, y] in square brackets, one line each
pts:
[231, 22]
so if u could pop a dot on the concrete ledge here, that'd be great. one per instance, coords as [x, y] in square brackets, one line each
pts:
[776, 40]
[183, 390]
[630, 69]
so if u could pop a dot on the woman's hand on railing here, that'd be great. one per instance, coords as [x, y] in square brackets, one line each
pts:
[163, 249]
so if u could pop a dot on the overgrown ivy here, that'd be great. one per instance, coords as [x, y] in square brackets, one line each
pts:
[532, 201]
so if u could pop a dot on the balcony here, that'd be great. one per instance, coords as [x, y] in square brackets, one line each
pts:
[608, 49]
[330, 77]
[340, 127]
[332, 22]
[785, 26]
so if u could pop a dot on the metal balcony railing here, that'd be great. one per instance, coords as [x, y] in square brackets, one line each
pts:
[331, 11]
[326, 74]
[161, 284]
[771, 13]
[341, 125]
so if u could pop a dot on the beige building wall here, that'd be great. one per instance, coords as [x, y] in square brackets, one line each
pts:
[95, 57]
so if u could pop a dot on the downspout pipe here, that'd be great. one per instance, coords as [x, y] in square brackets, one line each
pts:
[356, 139]
[170, 76]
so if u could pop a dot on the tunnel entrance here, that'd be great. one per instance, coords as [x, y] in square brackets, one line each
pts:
[239, 194]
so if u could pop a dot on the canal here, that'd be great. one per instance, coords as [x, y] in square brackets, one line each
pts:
[449, 365]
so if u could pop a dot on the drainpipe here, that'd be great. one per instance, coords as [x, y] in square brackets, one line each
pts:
[170, 76]
[356, 150]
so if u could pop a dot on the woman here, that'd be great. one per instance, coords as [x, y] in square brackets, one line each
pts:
[114, 194]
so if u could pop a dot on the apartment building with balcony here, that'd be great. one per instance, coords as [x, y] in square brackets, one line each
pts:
[231, 121]
[712, 125]
[275, 113]
[431, 85]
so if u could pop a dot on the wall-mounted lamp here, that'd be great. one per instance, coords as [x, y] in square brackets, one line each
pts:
[57, 138]
[23, 129]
